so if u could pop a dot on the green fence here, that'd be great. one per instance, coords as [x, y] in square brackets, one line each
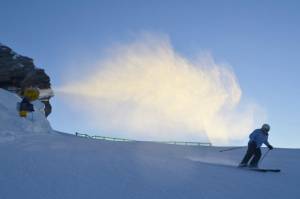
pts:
[187, 143]
[129, 140]
[103, 137]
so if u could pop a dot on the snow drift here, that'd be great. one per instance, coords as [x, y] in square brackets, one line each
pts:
[12, 125]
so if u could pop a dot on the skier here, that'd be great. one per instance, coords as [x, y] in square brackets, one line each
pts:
[257, 138]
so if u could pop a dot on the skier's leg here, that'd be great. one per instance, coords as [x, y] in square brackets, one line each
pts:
[249, 153]
[255, 160]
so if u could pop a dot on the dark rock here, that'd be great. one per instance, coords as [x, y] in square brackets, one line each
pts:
[48, 107]
[36, 78]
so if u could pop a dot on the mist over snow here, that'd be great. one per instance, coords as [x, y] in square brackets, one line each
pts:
[147, 90]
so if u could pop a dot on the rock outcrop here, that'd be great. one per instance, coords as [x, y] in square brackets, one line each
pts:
[18, 72]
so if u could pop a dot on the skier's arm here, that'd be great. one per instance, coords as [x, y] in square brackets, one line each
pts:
[268, 145]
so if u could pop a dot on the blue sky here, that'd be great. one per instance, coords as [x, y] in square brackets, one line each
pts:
[259, 39]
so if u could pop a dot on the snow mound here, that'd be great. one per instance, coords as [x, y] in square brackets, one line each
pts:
[12, 125]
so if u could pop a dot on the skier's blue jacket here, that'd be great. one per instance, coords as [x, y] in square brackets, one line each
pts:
[259, 137]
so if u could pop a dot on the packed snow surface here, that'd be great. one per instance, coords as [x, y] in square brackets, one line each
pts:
[53, 165]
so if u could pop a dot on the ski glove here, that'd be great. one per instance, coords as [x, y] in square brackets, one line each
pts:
[270, 147]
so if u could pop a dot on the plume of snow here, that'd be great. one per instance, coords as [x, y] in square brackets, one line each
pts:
[149, 91]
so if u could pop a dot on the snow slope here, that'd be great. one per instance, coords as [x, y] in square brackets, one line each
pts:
[61, 166]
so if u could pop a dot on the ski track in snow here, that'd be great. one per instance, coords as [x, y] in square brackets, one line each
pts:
[213, 161]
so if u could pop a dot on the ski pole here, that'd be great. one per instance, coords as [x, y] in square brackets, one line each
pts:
[230, 149]
[266, 153]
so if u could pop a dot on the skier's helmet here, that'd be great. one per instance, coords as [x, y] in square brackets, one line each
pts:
[266, 127]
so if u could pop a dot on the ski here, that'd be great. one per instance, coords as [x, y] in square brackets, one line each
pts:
[264, 170]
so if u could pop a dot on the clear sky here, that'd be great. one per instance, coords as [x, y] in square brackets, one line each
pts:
[259, 39]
